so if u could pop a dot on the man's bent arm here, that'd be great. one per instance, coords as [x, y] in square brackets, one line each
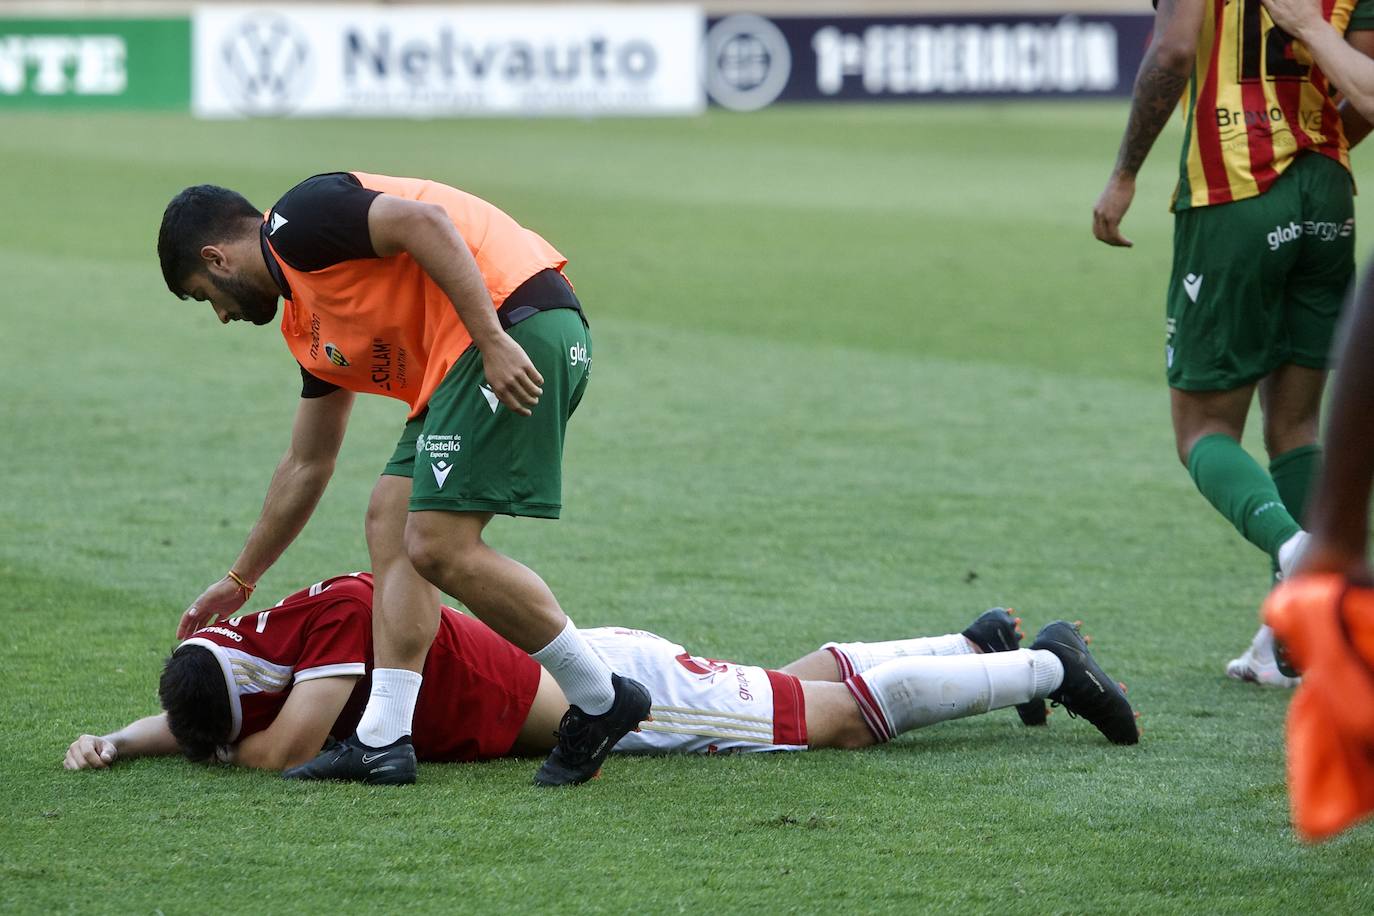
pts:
[300, 729]
[425, 232]
[1345, 64]
[147, 737]
[1159, 85]
[1339, 513]
[1355, 125]
[295, 490]
[299, 481]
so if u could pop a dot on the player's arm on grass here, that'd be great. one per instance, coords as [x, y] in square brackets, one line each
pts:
[147, 737]
[295, 490]
[300, 729]
[426, 233]
[1338, 516]
[1348, 69]
[1159, 85]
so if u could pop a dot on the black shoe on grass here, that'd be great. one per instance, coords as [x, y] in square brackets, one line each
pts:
[998, 631]
[1086, 690]
[353, 761]
[585, 740]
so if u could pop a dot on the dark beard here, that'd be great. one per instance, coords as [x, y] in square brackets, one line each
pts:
[254, 306]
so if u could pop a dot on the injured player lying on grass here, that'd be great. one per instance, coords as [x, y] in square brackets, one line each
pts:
[268, 689]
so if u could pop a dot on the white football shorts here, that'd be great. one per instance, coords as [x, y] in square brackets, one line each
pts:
[703, 705]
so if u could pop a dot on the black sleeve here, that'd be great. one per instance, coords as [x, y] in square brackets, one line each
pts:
[322, 221]
[315, 387]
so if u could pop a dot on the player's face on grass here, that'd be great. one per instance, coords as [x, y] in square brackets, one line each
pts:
[235, 299]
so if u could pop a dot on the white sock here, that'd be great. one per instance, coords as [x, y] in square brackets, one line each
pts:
[857, 657]
[908, 693]
[390, 706]
[1290, 552]
[1262, 646]
[584, 676]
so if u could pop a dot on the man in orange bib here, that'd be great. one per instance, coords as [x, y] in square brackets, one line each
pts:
[418, 291]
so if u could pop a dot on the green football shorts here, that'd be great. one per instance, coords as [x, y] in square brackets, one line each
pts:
[1259, 282]
[470, 453]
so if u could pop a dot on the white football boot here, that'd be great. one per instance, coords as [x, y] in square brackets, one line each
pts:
[1257, 664]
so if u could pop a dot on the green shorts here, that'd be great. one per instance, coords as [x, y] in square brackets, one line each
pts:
[1259, 282]
[477, 455]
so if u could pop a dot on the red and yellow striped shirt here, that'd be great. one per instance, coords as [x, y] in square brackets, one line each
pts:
[1254, 102]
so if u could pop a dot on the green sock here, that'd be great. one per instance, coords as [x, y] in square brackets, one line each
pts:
[1239, 488]
[1294, 474]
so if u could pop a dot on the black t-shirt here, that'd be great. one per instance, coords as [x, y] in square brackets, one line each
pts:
[323, 220]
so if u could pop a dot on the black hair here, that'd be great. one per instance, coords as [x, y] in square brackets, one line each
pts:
[203, 214]
[196, 698]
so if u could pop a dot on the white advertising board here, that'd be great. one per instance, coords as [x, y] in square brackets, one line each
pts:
[428, 61]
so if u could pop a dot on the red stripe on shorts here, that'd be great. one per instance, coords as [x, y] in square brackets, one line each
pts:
[868, 705]
[789, 710]
[842, 661]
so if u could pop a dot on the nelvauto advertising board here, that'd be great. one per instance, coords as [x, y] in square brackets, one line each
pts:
[753, 61]
[436, 61]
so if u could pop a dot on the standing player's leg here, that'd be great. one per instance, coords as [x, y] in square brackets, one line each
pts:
[1208, 426]
[1291, 395]
[1225, 333]
[509, 597]
[405, 616]
[476, 458]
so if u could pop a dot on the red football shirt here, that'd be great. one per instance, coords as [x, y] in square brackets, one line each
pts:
[477, 688]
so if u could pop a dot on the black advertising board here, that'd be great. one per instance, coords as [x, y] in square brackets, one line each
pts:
[753, 61]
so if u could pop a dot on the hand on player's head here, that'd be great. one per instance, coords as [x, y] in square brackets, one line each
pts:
[218, 601]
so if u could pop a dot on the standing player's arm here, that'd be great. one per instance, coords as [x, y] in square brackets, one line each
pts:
[300, 729]
[1159, 84]
[1349, 70]
[147, 737]
[295, 490]
[1338, 516]
[425, 232]
[1356, 125]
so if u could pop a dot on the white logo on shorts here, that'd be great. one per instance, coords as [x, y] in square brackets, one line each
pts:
[1192, 285]
[441, 471]
[491, 397]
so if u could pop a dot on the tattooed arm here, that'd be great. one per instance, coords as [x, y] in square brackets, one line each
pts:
[1158, 86]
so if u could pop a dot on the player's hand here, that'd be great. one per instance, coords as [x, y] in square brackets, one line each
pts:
[1111, 208]
[90, 753]
[510, 374]
[219, 600]
[1294, 15]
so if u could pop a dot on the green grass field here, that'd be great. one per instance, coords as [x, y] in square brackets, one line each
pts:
[860, 373]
